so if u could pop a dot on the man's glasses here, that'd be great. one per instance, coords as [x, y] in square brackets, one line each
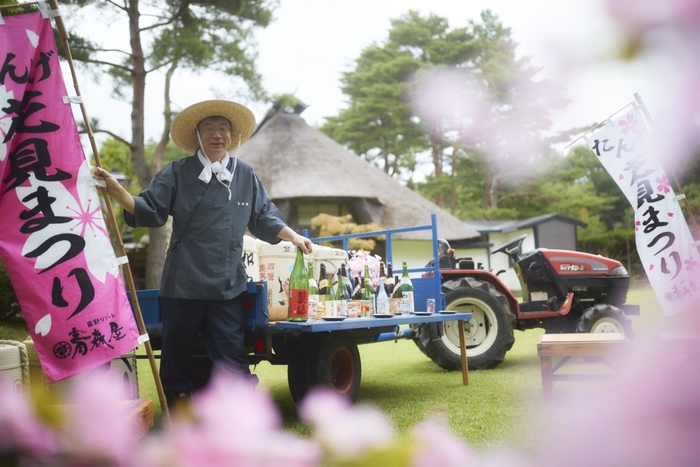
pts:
[211, 130]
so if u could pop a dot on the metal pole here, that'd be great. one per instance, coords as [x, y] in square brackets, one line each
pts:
[63, 33]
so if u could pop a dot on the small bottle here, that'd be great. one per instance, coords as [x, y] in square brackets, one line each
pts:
[341, 294]
[331, 304]
[313, 291]
[382, 273]
[367, 303]
[313, 285]
[298, 290]
[357, 288]
[322, 283]
[406, 286]
[389, 280]
[382, 301]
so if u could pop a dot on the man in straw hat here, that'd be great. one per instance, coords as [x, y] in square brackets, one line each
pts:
[213, 197]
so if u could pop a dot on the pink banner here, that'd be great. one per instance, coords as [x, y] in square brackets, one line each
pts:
[664, 242]
[54, 242]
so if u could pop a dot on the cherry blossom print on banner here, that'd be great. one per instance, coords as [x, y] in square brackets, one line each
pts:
[664, 241]
[54, 243]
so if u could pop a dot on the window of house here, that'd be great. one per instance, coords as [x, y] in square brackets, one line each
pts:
[308, 211]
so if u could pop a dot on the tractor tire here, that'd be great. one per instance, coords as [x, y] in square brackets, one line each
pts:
[488, 335]
[605, 318]
[337, 365]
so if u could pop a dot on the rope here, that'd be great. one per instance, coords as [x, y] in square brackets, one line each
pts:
[23, 358]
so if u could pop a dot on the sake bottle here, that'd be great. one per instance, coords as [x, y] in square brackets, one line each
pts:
[313, 285]
[341, 294]
[382, 300]
[367, 303]
[406, 287]
[298, 290]
[389, 280]
[331, 304]
[322, 283]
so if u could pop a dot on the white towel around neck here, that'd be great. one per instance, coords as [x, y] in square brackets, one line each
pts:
[220, 169]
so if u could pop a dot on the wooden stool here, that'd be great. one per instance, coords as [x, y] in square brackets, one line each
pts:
[577, 345]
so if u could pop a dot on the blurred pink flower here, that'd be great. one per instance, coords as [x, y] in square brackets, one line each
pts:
[639, 15]
[98, 425]
[21, 430]
[236, 425]
[437, 446]
[505, 130]
[669, 33]
[650, 419]
[344, 429]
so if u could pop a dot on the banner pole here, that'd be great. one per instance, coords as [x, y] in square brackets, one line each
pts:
[63, 33]
[670, 170]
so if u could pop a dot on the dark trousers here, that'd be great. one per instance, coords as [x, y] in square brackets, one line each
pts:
[221, 325]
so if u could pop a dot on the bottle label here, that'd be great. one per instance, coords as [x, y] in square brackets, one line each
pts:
[331, 308]
[342, 308]
[323, 284]
[298, 304]
[383, 307]
[407, 296]
[365, 308]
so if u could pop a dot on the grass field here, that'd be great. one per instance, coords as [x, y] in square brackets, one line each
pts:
[502, 407]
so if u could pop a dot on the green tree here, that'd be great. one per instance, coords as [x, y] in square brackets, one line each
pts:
[379, 123]
[167, 35]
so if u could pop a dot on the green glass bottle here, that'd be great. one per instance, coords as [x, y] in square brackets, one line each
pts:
[331, 306]
[367, 303]
[406, 287]
[298, 290]
[341, 294]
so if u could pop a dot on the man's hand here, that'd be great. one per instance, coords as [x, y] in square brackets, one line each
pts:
[297, 240]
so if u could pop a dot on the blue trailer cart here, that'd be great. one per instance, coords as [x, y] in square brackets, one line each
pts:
[324, 352]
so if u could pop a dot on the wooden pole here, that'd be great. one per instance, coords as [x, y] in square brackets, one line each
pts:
[63, 33]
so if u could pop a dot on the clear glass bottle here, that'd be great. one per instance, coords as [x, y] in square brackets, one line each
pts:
[382, 306]
[331, 306]
[406, 287]
[298, 290]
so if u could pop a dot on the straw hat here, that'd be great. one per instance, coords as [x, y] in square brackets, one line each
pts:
[183, 128]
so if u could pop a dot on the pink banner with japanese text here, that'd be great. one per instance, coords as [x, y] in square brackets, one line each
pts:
[54, 243]
[664, 242]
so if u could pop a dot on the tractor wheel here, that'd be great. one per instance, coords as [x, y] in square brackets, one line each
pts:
[605, 318]
[338, 365]
[488, 335]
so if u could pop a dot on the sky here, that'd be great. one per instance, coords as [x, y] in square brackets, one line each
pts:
[312, 42]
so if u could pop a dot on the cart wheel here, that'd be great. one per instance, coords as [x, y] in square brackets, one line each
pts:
[338, 365]
[299, 370]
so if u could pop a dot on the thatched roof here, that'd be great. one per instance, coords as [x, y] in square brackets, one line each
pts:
[295, 161]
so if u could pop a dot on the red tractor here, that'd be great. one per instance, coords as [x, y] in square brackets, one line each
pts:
[563, 291]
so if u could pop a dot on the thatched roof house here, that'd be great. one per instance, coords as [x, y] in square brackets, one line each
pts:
[306, 172]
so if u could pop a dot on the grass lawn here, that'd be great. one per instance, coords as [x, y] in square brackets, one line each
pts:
[502, 407]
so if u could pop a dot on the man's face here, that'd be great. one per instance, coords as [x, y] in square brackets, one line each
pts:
[215, 133]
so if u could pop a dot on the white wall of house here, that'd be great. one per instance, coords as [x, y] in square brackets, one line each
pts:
[416, 253]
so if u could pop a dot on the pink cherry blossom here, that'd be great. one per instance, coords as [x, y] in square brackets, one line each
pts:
[437, 446]
[21, 429]
[344, 429]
